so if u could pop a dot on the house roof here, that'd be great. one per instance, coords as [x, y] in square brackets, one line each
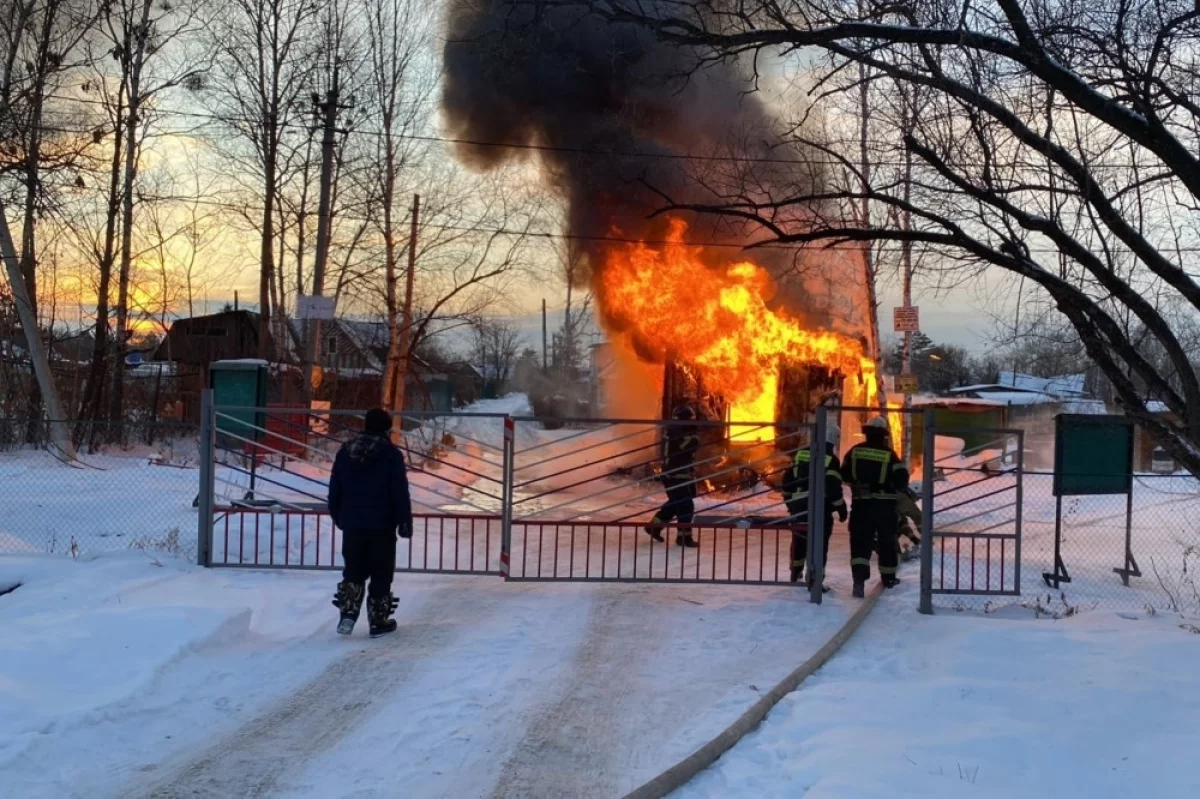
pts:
[927, 401]
[1021, 398]
[1062, 386]
[981, 388]
[1085, 406]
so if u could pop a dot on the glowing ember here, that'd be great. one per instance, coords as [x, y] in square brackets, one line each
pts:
[718, 322]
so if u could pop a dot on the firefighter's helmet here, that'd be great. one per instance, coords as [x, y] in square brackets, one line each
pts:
[684, 413]
[878, 423]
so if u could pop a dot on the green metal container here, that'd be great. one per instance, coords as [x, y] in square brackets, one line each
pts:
[240, 384]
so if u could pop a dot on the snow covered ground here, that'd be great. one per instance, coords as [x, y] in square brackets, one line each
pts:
[136, 675]
[965, 705]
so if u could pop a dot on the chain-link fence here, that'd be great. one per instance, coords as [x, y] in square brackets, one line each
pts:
[1157, 572]
[134, 489]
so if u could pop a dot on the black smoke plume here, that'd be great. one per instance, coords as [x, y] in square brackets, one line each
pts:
[616, 112]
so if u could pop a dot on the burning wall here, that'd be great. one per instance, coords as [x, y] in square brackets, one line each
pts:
[620, 121]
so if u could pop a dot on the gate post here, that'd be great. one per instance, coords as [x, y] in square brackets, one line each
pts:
[816, 507]
[206, 498]
[927, 510]
[506, 494]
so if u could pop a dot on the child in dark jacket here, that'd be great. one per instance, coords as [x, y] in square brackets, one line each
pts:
[369, 502]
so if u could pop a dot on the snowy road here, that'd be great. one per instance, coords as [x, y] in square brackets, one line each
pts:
[168, 681]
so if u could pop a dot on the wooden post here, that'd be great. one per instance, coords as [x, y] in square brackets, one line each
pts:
[312, 327]
[60, 432]
[406, 329]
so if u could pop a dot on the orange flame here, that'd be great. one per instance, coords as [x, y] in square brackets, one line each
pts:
[718, 322]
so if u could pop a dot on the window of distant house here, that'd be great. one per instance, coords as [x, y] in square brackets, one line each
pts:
[331, 345]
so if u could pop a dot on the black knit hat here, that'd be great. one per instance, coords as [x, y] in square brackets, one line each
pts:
[377, 421]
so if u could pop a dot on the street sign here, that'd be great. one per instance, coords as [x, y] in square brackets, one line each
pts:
[312, 307]
[906, 319]
[906, 384]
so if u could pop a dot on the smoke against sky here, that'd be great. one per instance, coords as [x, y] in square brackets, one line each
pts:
[620, 109]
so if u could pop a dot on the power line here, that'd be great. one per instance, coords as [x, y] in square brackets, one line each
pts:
[528, 146]
[481, 227]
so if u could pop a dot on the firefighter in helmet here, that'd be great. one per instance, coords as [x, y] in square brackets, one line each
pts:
[680, 444]
[876, 477]
[795, 492]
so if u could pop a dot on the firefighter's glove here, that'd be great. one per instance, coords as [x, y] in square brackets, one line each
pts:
[404, 530]
[841, 513]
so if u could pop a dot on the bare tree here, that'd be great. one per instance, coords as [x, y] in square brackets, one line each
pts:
[396, 32]
[265, 65]
[40, 43]
[1059, 145]
[494, 348]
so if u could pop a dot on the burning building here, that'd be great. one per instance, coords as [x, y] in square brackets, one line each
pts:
[621, 125]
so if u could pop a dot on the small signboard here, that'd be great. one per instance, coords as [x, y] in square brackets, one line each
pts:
[906, 384]
[312, 307]
[906, 319]
[1092, 455]
[318, 420]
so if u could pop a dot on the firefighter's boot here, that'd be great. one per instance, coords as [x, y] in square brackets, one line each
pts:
[348, 599]
[858, 592]
[654, 530]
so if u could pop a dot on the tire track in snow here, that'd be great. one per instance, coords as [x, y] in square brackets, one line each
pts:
[252, 759]
[570, 744]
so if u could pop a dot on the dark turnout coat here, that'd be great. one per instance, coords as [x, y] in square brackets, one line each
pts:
[368, 489]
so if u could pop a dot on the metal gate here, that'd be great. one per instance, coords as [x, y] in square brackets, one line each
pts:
[264, 483]
[972, 501]
[529, 500]
[581, 496]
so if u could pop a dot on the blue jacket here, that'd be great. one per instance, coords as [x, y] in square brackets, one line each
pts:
[368, 489]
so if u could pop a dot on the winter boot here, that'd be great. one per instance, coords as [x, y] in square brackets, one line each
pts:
[796, 573]
[890, 581]
[379, 614]
[348, 599]
[685, 539]
[654, 530]
[858, 591]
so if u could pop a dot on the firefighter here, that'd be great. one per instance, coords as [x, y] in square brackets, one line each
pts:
[795, 492]
[876, 476]
[679, 479]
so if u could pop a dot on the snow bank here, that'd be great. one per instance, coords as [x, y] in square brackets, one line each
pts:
[955, 706]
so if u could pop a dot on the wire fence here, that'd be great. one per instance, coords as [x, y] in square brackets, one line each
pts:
[138, 493]
[1158, 572]
[134, 492]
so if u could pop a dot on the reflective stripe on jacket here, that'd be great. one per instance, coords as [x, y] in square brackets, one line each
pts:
[874, 473]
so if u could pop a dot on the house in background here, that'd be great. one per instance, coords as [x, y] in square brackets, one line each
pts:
[352, 355]
[1144, 445]
[1031, 403]
[192, 344]
[200, 340]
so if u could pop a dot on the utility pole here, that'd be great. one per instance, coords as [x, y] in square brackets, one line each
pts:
[545, 346]
[407, 318]
[327, 111]
[907, 116]
[60, 433]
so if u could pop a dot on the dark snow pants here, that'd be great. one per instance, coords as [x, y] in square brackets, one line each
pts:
[370, 554]
[679, 506]
[873, 521]
[800, 542]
